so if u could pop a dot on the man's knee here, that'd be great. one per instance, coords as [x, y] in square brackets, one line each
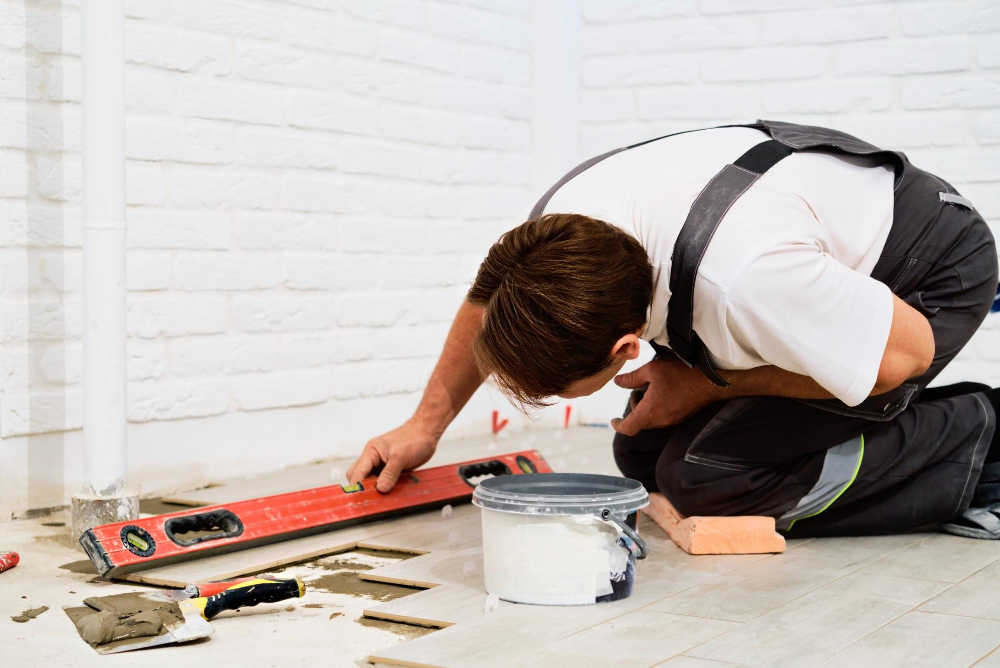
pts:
[636, 456]
[675, 483]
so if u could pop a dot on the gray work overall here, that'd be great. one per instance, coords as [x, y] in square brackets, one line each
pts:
[892, 463]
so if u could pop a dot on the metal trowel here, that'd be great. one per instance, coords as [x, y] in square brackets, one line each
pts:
[183, 617]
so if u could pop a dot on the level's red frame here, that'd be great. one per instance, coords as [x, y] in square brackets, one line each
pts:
[125, 546]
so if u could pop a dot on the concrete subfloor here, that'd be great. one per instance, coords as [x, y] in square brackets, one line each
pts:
[913, 600]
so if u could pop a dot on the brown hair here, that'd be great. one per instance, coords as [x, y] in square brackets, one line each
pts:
[558, 291]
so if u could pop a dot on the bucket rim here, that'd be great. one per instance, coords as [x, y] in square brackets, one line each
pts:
[560, 494]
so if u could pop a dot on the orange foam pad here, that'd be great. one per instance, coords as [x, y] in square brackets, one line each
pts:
[715, 535]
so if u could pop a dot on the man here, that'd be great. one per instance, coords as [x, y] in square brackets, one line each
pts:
[800, 287]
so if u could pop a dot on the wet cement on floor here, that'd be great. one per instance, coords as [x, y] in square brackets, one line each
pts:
[82, 567]
[346, 565]
[29, 614]
[348, 582]
[408, 631]
[121, 618]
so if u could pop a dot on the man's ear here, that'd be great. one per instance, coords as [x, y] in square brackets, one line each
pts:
[627, 348]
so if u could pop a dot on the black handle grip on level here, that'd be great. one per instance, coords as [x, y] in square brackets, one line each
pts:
[250, 593]
[493, 467]
[222, 522]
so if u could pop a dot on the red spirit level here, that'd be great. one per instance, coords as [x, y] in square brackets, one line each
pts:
[126, 546]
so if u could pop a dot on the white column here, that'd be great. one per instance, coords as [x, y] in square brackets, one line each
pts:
[104, 497]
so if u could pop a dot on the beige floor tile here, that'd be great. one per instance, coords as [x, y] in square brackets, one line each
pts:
[754, 590]
[638, 639]
[816, 626]
[991, 660]
[939, 557]
[922, 640]
[692, 662]
[976, 596]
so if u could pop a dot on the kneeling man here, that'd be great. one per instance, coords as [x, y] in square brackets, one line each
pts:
[800, 287]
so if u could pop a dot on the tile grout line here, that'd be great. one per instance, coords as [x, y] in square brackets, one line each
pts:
[858, 570]
[986, 656]
[980, 570]
[903, 615]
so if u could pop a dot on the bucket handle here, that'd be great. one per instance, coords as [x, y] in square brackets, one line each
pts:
[608, 516]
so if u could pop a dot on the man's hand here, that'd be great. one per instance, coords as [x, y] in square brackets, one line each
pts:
[673, 393]
[402, 449]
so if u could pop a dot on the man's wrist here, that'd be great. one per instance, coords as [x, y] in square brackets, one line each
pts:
[732, 389]
[433, 426]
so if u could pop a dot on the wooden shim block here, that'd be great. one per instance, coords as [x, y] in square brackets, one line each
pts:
[715, 535]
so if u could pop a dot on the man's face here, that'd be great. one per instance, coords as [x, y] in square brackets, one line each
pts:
[588, 386]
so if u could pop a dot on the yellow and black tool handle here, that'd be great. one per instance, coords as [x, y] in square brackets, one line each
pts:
[247, 594]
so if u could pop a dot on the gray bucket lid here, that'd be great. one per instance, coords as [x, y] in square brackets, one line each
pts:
[560, 494]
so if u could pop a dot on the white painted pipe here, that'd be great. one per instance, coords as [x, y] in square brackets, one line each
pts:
[104, 400]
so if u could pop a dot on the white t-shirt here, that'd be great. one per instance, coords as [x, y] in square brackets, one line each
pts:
[786, 280]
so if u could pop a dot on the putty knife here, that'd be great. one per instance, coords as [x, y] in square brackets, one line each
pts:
[198, 610]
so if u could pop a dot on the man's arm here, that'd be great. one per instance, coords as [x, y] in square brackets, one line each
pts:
[908, 353]
[452, 384]
[676, 392]
[456, 377]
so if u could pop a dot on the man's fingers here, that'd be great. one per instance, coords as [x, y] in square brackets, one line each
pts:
[634, 379]
[633, 423]
[634, 397]
[365, 464]
[390, 474]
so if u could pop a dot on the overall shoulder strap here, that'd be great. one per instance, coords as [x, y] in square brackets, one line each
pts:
[714, 202]
[702, 221]
[540, 205]
[800, 137]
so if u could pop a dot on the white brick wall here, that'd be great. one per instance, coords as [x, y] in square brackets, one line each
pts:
[918, 76]
[311, 186]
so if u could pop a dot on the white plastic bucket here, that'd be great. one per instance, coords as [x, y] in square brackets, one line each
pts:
[560, 538]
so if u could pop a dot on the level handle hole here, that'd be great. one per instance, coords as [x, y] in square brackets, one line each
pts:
[473, 474]
[202, 527]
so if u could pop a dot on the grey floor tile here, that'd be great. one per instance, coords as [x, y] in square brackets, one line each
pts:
[637, 639]
[938, 557]
[976, 596]
[817, 625]
[922, 640]
[760, 587]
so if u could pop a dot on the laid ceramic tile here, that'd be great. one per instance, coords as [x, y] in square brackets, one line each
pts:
[938, 557]
[992, 660]
[640, 638]
[505, 637]
[754, 590]
[976, 596]
[816, 626]
[692, 662]
[854, 551]
[922, 639]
